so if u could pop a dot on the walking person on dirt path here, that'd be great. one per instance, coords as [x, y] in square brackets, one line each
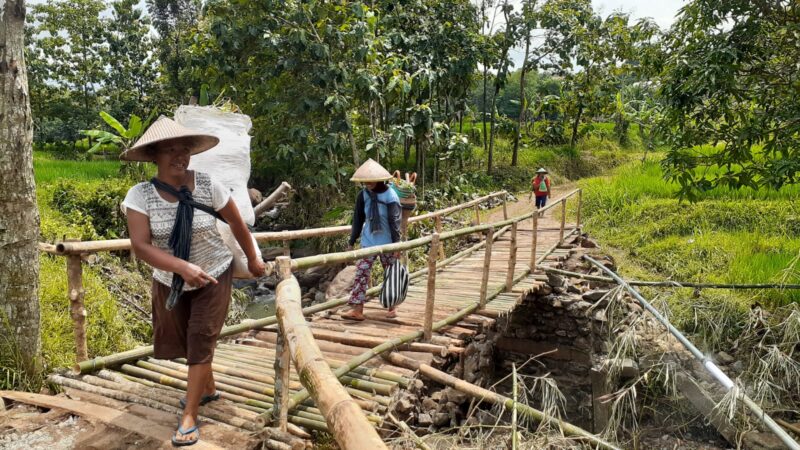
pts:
[540, 186]
[376, 219]
[172, 226]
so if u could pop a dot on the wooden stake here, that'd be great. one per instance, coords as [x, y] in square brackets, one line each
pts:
[512, 258]
[505, 209]
[77, 311]
[487, 261]
[578, 213]
[431, 294]
[438, 222]
[514, 434]
[477, 215]
[563, 220]
[287, 249]
[535, 239]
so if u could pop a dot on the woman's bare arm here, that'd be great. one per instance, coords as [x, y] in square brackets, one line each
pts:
[143, 248]
[230, 212]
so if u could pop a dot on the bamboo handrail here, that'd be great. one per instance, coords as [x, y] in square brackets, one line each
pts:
[145, 351]
[65, 248]
[355, 362]
[345, 419]
[352, 255]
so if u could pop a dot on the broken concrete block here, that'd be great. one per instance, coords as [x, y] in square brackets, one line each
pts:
[595, 295]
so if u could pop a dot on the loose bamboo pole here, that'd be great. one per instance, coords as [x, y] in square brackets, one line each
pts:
[344, 417]
[77, 310]
[563, 220]
[509, 404]
[512, 258]
[535, 239]
[438, 224]
[431, 293]
[578, 213]
[273, 198]
[487, 262]
[718, 375]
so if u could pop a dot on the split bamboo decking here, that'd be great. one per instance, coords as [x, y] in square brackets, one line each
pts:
[245, 367]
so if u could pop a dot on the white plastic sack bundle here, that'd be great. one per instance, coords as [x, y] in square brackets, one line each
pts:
[228, 162]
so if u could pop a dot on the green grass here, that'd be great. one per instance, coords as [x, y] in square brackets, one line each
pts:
[742, 236]
[110, 327]
[47, 169]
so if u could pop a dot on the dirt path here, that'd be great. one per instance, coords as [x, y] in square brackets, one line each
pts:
[523, 205]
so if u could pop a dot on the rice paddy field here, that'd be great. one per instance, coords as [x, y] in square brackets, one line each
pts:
[728, 236]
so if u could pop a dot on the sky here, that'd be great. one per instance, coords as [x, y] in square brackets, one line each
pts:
[661, 11]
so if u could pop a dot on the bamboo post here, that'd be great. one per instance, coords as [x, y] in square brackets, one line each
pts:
[431, 293]
[563, 220]
[505, 208]
[282, 367]
[512, 258]
[282, 364]
[438, 222]
[477, 215]
[487, 262]
[77, 310]
[345, 419]
[578, 213]
[287, 248]
[534, 239]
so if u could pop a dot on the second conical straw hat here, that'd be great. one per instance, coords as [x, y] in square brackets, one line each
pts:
[370, 172]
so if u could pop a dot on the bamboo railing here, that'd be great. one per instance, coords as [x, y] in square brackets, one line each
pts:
[320, 382]
[75, 251]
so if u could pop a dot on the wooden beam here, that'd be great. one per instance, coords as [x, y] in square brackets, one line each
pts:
[120, 419]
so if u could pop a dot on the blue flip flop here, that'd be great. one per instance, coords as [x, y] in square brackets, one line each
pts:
[204, 400]
[183, 432]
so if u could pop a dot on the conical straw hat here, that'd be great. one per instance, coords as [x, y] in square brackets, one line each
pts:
[369, 172]
[166, 131]
[541, 170]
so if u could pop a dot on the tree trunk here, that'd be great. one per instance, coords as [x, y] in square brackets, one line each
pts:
[491, 130]
[19, 215]
[575, 124]
[483, 111]
[522, 102]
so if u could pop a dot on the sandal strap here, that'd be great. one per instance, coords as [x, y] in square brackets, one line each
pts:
[183, 432]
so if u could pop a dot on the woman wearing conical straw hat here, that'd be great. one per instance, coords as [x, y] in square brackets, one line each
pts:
[172, 226]
[376, 219]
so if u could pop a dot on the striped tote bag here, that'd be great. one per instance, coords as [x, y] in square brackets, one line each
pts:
[395, 285]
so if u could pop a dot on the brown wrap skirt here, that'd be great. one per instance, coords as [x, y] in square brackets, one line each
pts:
[191, 329]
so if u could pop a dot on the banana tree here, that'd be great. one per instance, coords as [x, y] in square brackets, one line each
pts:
[125, 136]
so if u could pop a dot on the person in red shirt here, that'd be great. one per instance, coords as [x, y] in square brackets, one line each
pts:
[540, 185]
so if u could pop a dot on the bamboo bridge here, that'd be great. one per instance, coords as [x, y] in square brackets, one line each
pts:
[308, 369]
[344, 373]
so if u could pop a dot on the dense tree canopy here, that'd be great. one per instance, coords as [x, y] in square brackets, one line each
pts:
[331, 83]
[731, 80]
